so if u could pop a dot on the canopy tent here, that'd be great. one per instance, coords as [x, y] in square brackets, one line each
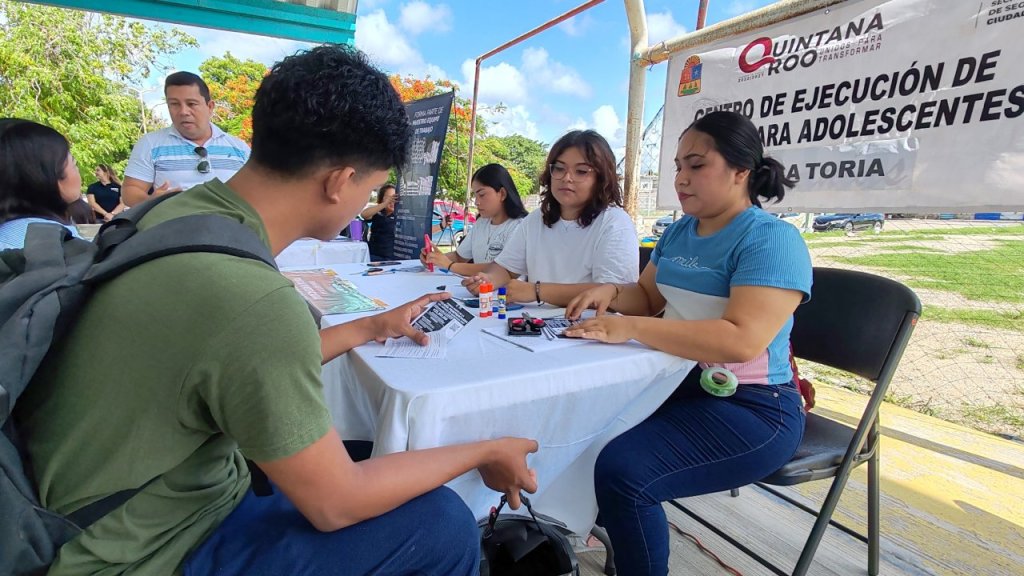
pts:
[307, 20]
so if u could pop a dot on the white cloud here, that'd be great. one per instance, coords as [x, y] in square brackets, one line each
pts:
[509, 84]
[738, 7]
[499, 83]
[511, 120]
[662, 26]
[435, 72]
[418, 17]
[244, 46]
[389, 49]
[552, 75]
[577, 25]
[607, 123]
[382, 41]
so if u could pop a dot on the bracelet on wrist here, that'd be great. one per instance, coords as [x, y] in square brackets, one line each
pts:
[536, 292]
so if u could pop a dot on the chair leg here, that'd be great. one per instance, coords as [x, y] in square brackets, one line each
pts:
[874, 528]
[609, 560]
[734, 492]
[820, 524]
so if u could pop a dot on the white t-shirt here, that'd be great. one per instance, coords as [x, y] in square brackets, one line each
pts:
[485, 241]
[566, 253]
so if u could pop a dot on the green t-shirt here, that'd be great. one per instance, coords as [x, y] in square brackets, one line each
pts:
[174, 369]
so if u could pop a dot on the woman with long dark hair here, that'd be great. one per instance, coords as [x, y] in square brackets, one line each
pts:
[579, 238]
[38, 179]
[501, 211]
[727, 277]
[105, 193]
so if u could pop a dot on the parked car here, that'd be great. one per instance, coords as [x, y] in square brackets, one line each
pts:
[849, 222]
[659, 226]
[448, 223]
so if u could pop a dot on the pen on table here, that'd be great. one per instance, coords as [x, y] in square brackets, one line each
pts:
[449, 271]
[516, 344]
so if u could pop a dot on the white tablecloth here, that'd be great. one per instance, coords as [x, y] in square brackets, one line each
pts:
[572, 400]
[309, 252]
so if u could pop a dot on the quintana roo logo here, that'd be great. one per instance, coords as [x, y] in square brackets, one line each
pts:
[689, 80]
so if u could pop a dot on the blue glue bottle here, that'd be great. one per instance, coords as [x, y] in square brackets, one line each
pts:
[502, 308]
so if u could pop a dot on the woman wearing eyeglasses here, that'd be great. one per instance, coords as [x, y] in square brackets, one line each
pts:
[581, 237]
[501, 212]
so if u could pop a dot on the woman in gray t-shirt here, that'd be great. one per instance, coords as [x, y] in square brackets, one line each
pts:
[501, 211]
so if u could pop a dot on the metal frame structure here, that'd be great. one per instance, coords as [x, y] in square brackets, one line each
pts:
[476, 80]
[292, 19]
[645, 56]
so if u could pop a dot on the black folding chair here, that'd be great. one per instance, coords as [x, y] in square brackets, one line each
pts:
[859, 323]
[645, 257]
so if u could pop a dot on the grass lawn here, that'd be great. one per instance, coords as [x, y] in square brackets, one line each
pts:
[923, 234]
[1004, 319]
[994, 275]
[906, 247]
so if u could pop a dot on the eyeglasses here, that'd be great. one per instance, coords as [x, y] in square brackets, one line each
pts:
[559, 171]
[204, 164]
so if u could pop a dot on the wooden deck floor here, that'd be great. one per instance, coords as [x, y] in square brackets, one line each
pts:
[952, 504]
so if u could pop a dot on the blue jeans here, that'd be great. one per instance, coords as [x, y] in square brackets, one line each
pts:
[695, 443]
[434, 534]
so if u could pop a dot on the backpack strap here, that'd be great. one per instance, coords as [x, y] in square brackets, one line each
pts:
[192, 233]
[87, 515]
[125, 225]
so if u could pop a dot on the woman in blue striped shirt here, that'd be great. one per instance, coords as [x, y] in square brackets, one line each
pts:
[728, 277]
[38, 179]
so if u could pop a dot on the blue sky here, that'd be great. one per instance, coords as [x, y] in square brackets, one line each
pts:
[572, 76]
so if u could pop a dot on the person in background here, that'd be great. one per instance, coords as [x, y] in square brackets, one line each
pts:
[579, 238]
[189, 152]
[38, 180]
[105, 193]
[382, 219]
[728, 277]
[500, 210]
[219, 358]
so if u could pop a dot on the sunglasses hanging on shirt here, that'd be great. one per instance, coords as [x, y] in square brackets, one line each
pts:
[204, 163]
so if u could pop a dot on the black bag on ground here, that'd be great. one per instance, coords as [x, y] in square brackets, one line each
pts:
[534, 545]
[43, 287]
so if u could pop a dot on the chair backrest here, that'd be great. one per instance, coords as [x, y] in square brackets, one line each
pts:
[856, 322]
[645, 257]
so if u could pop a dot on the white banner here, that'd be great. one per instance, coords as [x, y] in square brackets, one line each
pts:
[888, 106]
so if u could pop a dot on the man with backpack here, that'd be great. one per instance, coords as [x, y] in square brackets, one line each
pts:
[218, 360]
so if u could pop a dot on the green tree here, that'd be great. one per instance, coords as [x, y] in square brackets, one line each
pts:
[71, 70]
[233, 85]
[451, 177]
[524, 159]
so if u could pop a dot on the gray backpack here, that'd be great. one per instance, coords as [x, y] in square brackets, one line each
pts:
[43, 287]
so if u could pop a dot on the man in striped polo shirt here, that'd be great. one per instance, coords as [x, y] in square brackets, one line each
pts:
[189, 152]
